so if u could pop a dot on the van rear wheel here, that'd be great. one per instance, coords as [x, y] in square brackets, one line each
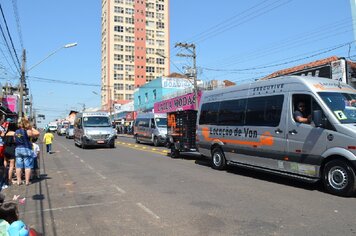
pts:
[339, 178]
[218, 159]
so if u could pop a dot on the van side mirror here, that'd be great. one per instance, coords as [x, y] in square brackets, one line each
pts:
[318, 118]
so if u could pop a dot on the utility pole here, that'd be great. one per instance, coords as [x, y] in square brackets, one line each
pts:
[191, 48]
[22, 83]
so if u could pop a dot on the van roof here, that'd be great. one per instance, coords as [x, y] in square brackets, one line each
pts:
[151, 115]
[279, 84]
[84, 114]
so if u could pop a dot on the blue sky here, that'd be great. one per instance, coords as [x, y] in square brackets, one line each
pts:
[231, 38]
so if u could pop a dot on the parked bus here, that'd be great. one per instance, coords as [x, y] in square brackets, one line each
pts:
[253, 126]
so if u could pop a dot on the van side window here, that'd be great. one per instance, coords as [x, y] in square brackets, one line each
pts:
[264, 111]
[153, 123]
[232, 112]
[209, 113]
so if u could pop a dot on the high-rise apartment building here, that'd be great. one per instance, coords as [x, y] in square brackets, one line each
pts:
[135, 47]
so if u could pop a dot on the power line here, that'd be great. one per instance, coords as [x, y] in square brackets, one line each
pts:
[8, 33]
[280, 64]
[63, 81]
[17, 18]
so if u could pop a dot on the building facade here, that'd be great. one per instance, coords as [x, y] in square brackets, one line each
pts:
[159, 89]
[135, 47]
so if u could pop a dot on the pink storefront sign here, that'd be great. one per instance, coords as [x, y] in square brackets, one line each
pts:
[10, 102]
[181, 103]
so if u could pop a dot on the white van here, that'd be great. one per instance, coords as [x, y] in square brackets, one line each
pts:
[93, 129]
[253, 126]
[151, 128]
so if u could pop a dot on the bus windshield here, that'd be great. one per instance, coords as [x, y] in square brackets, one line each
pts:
[342, 105]
[96, 121]
[161, 122]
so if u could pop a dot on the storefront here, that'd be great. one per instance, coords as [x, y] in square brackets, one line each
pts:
[181, 103]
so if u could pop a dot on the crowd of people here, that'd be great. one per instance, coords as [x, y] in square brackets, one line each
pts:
[18, 152]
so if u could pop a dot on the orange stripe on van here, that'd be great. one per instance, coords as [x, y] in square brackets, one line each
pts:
[266, 139]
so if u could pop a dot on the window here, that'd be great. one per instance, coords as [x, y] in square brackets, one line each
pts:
[129, 48]
[264, 111]
[130, 11]
[160, 16]
[118, 96]
[150, 51]
[160, 43]
[146, 97]
[129, 58]
[119, 19]
[130, 20]
[118, 76]
[118, 10]
[150, 69]
[118, 47]
[160, 34]
[119, 86]
[150, 23]
[118, 38]
[139, 100]
[128, 96]
[119, 28]
[130, 30]
[209, 114]
[129, 86]
[129, 67]
[129, 2]
[150, 42]
[154, 94]
[129, 39]
[160, 25]
[118, 67]
[150, 14]
[232, 112]
[160, 61]
[119, 1]
[118, 57]
[160, 7]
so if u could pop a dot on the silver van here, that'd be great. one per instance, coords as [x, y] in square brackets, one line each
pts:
[151, 128]
[255, 126]
[93, 129]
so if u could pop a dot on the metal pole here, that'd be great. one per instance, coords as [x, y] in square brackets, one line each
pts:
[22, 82]
[195, 77]
[353, 13]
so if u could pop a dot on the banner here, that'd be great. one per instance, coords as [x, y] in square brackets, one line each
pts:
[181, 103]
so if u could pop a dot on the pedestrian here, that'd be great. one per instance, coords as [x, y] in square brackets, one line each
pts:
[36, 157]
[9, 151]
[48, 139]
[23, 150]
[2, 160]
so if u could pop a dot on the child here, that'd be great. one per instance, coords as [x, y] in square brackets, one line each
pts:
[36, 158]
[48, 139]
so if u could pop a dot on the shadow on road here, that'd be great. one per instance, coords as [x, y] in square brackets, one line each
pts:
[264, 176]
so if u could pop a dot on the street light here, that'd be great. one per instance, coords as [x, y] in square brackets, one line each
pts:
[69, 45]
[22, 79]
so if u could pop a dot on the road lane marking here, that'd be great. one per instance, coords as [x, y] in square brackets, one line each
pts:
[147, 210]
[120, 190]
[73, 207]
[100, 175]
[90, 167]
[142, 148]
[76, 156]
[82, 161]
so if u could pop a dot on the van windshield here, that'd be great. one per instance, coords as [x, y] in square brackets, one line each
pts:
[342, 105]
[161, 122]
[96, 121]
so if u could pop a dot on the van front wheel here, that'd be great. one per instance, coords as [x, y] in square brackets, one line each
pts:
[155, 141]
[218, 159]
[339, 178]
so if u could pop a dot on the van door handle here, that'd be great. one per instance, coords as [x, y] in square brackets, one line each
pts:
[293, 131]
[278, 131]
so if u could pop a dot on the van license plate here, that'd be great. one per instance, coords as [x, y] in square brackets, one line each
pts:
[100, 141]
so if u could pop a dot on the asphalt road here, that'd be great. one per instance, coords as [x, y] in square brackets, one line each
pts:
[136, 189]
